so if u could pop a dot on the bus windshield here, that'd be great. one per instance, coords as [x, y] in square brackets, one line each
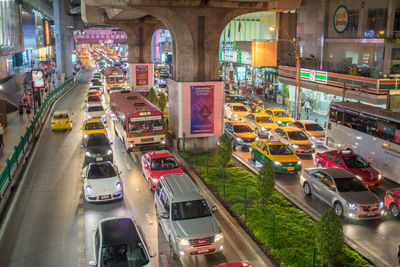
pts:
[144, 125]
[116, 79]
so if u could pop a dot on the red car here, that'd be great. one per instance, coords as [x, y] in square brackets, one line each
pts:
[392, 201]
[234, 264]
[348, 160]
[158, 163]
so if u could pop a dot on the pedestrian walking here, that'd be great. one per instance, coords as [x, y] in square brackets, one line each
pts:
[302, 104]
[21, 109]
[28, 111]
[1, 135]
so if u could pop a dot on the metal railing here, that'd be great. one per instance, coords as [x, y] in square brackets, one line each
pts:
[21, 148]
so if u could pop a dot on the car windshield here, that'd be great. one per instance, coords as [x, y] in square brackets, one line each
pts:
[99, 171]
[145, 124]
[351, 184]
[97, 140]
[127, 255]
[280, 114]
[95, 108]
[94, 98]
[280, 150]
[163, 164]
[239, 108]
[190, 210]
[264, 120]
[297, 135]
[242, 129]
[355, 162]
[94, 126]
[60, 116]
[314, 127]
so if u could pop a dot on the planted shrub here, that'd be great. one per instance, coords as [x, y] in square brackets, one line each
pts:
[224, 151]
[266, 182]
[162, 102]
[152, 96]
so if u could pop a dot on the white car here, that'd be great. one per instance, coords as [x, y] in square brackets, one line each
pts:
[95, 111]
[101, 182]
[119, 241]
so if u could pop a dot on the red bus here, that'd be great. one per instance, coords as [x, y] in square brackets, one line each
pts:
[137, 122]
[115, 79]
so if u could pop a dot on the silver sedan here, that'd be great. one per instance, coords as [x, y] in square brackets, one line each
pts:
[343, 191]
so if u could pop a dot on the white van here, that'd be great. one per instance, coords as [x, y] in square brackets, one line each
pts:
[185, 217]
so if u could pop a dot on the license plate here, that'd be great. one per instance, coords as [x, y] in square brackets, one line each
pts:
[203, 250]
[290, 169]
[105, 197]
[147, 139]
[371, 214]
[372, 184]
[99, 159]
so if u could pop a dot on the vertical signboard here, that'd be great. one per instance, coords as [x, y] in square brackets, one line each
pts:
[202, 109]
[38, 78]
[142, 76]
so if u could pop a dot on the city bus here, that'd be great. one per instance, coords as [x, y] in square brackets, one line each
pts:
[114, 79]
[371, 132]
[137, 122]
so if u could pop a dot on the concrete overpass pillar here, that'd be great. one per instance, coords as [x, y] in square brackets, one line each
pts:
[63, 35]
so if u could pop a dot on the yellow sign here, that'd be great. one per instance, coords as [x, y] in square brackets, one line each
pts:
[264, 54]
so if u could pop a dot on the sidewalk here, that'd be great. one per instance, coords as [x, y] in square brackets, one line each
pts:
[320, 119]
[12, 135]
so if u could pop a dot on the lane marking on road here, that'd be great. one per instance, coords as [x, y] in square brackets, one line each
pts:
[81, 248]
[164, 260]
[128, 166]
[148, 218]
[81, 262]
[80, 221]
[81, 234]
[80, 202]
[80, 211]
[137, 187]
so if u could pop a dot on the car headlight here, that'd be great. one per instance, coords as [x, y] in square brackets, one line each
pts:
[379, 176]
[381, 205]
[312, 146]
[89, 116]
[313, 137]
[263, 129]
[299, 162]
[358, 177]
[118, 186]
[218, 237]
[277, 163]
[257, 138]
[239, 139]
[109, 152]
[235, 115]
[279, 122]
[103, 116]
[87, 153]
[353, 206]
[183, 242]
[89, 189]
[154, 180]
[295, 146]
[85, 136]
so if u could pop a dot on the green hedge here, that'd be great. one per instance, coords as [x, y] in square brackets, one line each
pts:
[287, 231]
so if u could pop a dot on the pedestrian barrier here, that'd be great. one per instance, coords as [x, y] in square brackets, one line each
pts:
[32, 130]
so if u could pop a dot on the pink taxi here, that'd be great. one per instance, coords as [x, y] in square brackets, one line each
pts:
[392, 201]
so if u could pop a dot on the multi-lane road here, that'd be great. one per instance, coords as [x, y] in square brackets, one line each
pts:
[52, 225]
[376, 239]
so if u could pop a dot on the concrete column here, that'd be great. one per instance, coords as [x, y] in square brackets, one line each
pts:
[63, 36]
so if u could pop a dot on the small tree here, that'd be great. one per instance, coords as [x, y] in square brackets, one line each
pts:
[266, 181]
[152, 96]
[224, 151]
[329, 238]
[162, 102]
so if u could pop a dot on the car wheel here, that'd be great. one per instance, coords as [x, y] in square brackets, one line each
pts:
[172, 250]
[319, 165]
[338, 209]
[253, 158]
[307, 189]
[394, 210]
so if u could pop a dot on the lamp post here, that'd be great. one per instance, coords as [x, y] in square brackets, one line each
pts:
[297, 55]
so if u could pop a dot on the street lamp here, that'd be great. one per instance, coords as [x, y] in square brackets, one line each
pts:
[297, 54]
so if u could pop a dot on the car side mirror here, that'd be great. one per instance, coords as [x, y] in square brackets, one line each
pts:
[153, 253]
[181, 164]
[92, 263]
[82, 175]
[214, 208]
[331, 188]
[164, 215]
[146, 167]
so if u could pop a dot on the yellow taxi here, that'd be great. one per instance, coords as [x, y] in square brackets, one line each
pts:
[240, 134]
[235, 111]
[279, 116]
[61, 120]
[260, 123]
[280, 155]
[92, 91]
[313, 129]
[294, 137]
[93, 126]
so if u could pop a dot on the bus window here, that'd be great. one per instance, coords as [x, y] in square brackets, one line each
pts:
[332, 115]
[350, 120]
[386, 130]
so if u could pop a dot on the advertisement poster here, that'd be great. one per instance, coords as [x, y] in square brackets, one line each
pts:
[142, 76]
[202, 109]
[38, 78]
